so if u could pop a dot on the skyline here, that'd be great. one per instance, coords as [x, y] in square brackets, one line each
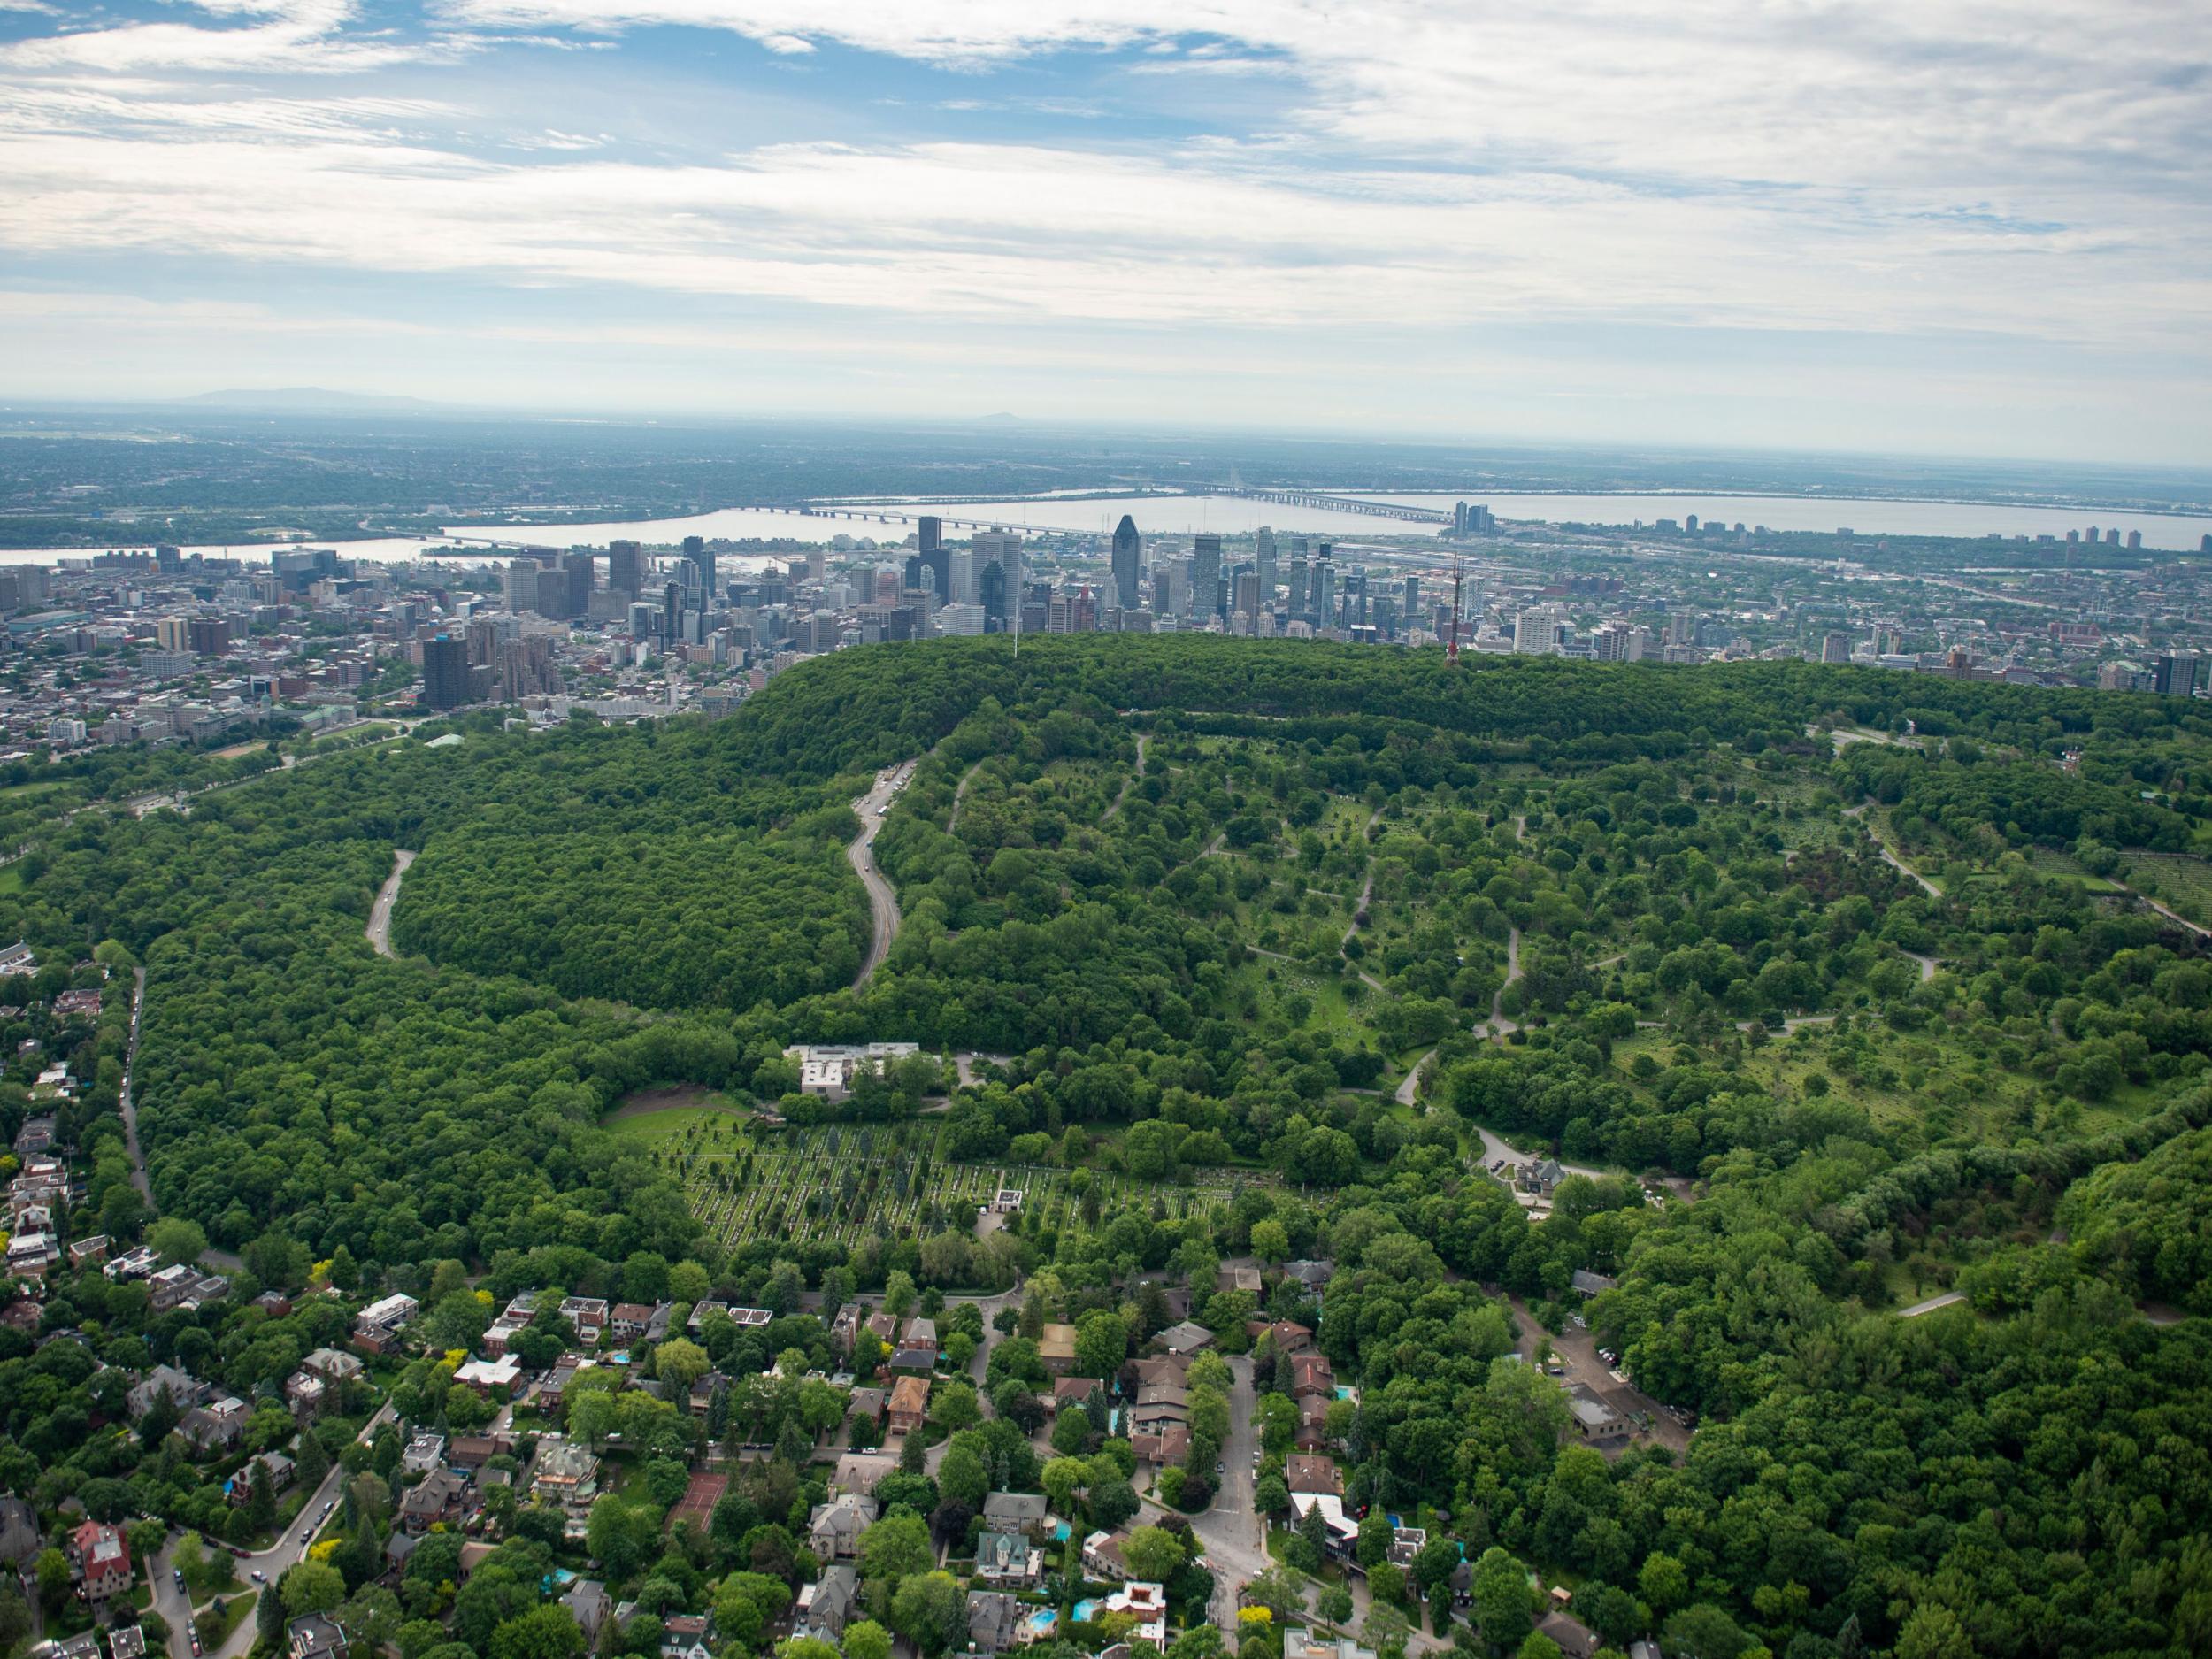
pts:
[1925, 231]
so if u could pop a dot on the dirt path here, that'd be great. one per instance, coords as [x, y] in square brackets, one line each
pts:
[1127, 782]
[883, 905]
[1928, 965]
[1497, 1026]
[960, 797]
[380, 928]
[1947, 1299]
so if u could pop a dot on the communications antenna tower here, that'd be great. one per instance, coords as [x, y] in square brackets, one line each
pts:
[1451, 651]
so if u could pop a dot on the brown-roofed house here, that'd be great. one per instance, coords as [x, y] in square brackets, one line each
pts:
[909, 1404]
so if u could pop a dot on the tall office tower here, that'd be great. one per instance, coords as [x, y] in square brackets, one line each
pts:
[1481, 519]
[1411, 599]
[960, 587]
[174, 634]
[522, 584]
[1244, 589]
[1128, 550]
[700, 554]
[1382, 611]
[525, 668]
[168, 560]
[1459, 518]
[670, 624]
[1835, 647]
[445, 672]
[817, 564]
[1171, 586]
[929, 548]
[578, 569]
[992, 586]
[1681, 628]
[2174, 674]
[1002, 548]
[1356, 595]
[644, 620]
[1264, 565]
[1205, 576]
[1323, 607]
[2135, 538]
[1299, 591]
[626, 568]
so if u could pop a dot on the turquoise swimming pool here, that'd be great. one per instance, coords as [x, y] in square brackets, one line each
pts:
[1040, 1624]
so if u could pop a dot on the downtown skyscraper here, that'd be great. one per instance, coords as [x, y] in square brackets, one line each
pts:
[1128, 551]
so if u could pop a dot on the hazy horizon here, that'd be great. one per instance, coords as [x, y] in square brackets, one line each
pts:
[1936, 230]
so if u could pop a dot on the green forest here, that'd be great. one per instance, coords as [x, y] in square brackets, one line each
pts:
[1255, 950]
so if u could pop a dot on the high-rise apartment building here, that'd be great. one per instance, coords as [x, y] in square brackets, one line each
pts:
[1128, 552]
[1264, 565]
[1536, 630]
[2174, 674]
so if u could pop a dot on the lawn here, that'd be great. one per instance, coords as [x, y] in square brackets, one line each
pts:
[215, 1628]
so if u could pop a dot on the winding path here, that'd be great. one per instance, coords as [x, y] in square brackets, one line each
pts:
[1897, 864]
[1126, 782]
[883, 905]
[380, 928]
[960, 796]
[1497, 1026]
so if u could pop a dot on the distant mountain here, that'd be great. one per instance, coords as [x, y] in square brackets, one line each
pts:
[304, 397]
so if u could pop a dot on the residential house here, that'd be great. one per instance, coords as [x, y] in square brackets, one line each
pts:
[1102, 1557]
[1006, 1561]
[865, 1402]
[377, 1327]
[275, 1304]
[1406, 1542]
[184, 1390]
[1313, 1424]
[1303, 1642]
[127, 1641]
[919, 1332]
[1057, 1348]
[440, 1499]
[994, 1622]
[1575, 1638]
[136, 1262]
[1288, 1335]
[1071, 1391]
[100, 1561]
[333, 1365]
[472, 1452]
[318, 1636]
[1161, 1448]
[882, 1326]
[627, 1320]
[859, 1471]
[1171, 1370]
[1147, 1603]
[1343, 1531]
[1185, 1339]
[588, 1315]
[909, 1404]
[845, 1328]
[424, 1452]
[826, 1605]
[484, 1375]
[1589, 1284]
[306, 1394]
[914, 1362]
[1245, 1278]
[19, 1540]
[185, 1289]
[398, 1548]
[1305, 1473]
[588, 1604]
[88, 1253]
[281, 1469]
[1311, 1376]
[566, 1473]
[834, 1529]
[84, 1645]
[1315, 1276]
[1159, 1407]
[1028, 1513]
[216, 1427]
[688, 1636]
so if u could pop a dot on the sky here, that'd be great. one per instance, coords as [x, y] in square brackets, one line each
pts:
[1939, 226]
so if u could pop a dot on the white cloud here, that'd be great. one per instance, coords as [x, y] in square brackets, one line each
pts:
[299, 37]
